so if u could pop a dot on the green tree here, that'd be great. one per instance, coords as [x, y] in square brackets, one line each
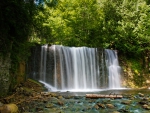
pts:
[133, 28]
[15, 27]
[75, 22]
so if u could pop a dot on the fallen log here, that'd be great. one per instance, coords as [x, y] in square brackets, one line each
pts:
[103, 96]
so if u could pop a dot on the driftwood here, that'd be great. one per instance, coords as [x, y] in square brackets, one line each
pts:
[103, 96]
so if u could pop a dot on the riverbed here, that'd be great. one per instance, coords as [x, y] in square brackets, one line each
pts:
[133, 101]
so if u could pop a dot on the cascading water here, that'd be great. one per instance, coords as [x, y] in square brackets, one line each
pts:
[78, 68]
[113, 69]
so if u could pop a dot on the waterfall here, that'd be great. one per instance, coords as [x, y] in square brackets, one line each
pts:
[113, 69]
[78, 68]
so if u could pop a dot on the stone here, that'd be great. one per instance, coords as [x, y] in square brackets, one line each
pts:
[67, 97]
[96, 107]
[46, 94]
[101, 105]
[146, 99]
[60, 97]
[54, 95]
[143, 102]
[145, 106]
[126, 102]
[44, 100]
[123, 110]
[115, 112]
[9, 108]
[111, 106]
[60, 103]
[54, 100]
[50, 105]
[141, 95]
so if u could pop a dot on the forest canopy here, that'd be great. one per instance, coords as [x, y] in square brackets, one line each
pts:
[123, 25]
[116, 24]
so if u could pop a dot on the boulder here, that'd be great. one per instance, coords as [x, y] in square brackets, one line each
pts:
[9, 108]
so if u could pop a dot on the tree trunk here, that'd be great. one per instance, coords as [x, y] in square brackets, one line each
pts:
[103, 96]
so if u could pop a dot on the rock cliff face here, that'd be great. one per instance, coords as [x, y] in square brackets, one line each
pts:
[134, 74]
[5, 64]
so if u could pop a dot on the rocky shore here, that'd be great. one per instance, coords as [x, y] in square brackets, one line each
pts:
[30, 97]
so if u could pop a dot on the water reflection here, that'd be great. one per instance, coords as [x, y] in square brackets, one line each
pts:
[107, 91]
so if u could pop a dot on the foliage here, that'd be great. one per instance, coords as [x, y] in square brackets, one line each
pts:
[16, 17]
[133, 28]
[122, 25]
[138, 72]
[19, 21]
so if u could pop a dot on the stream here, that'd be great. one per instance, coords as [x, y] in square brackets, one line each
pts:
[133, 101]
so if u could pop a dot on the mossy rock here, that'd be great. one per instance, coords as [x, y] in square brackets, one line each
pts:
[34, 85]
[9, 108]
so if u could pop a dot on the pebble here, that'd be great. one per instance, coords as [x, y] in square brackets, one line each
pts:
[96, 107]
[141, 95]
[111, 106]
[145, 106]
[101, 105]
[126, 102]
